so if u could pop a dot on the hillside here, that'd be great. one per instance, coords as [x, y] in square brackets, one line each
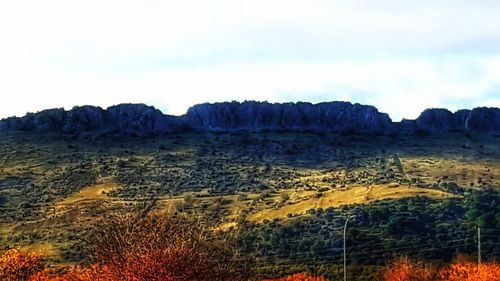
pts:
[287, 193]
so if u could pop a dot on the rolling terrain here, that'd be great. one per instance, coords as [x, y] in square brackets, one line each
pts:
[53, 187]
[287, 193]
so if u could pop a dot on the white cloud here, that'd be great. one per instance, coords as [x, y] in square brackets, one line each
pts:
[172, 54]
[401, 87]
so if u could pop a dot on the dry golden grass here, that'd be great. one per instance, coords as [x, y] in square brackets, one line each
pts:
[335, 198]
[94, 192]
[226, 226]
[45, 248]
[462, 172]
[5, 230]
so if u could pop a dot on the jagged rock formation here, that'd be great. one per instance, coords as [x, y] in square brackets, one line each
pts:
[481, 120]
[340, 117]
[136, 119]
[261, 116]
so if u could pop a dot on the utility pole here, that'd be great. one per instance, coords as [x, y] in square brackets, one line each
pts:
[478, 245]
[345, 261]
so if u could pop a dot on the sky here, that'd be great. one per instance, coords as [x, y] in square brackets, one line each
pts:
[400, 56]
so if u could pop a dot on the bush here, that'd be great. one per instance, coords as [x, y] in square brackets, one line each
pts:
[121, 164]
[162, 247]
[134, 248]
[17, 265]
[404, 269]
[467, 271]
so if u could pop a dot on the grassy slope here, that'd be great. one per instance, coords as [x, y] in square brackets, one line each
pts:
[89, 193]
[337, 198]
[47, 204]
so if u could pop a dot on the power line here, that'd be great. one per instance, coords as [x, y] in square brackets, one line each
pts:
[381, 251]
[407, 250]
[366, 257]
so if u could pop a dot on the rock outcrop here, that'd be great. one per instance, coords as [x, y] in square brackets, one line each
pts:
[262, 116]
[439, 121]
[135, 119]
[84, 118]
[339, 117]
[483, 120]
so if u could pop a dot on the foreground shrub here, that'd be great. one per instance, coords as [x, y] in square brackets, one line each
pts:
[151, 247]
[468, 271]
[404, 269]
[162, 247]
[17, 265]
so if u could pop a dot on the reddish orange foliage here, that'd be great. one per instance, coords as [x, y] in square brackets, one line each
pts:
[161, 247]
[153, 247]
[16, 265]
[467, 271]
[45, 275]
[298, 277]
[404, 269]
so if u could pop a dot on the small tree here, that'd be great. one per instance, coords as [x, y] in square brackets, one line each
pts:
[285, 197]
[188, 199]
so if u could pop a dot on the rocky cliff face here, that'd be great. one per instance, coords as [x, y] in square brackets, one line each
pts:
[138, 119]
[483, 119]
[340, 117]
[478, 120]
[440, 120]
[261, 116]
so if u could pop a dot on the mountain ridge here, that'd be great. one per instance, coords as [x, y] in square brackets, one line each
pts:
[253, 116]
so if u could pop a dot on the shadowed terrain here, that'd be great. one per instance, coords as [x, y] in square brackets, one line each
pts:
[287, 193]
[53, 187]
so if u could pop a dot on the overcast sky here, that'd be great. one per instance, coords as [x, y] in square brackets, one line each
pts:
[401, 56]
